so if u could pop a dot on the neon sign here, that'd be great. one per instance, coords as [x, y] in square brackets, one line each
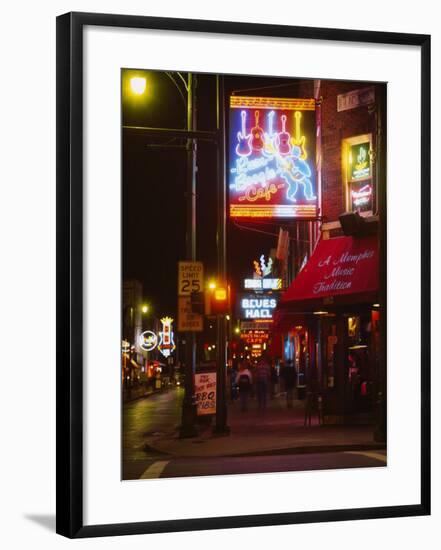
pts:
[261, 268]
[359, 161]
[272, 147]
[257, 308]
[148, 340]
[362, 197]
[263, 284]
[166, 343]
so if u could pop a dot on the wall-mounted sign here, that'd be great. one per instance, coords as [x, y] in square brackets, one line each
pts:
[205, 392]
[166, 343]
[272, 158]
[355, 98]
[357, 152]
[148, 340]
[359, 161]
[252, 306]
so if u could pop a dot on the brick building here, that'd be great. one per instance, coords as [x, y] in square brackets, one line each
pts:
[328, 320]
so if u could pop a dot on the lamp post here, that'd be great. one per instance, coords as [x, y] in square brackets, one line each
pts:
[188, 422]
[221, 427]
[217, 136]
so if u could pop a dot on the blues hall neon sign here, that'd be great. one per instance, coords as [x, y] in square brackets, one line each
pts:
[272, 144]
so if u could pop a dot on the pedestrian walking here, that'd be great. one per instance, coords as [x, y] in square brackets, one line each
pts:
[263, 378]
[244, 381]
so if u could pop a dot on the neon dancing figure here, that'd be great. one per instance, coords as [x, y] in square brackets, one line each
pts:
[295, 170]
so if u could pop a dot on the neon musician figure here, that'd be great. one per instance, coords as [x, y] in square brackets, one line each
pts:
[243, 148]
[295, 170]
[257, 134]
[283, 139]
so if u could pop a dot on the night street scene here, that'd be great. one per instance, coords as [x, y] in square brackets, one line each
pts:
[253, 310]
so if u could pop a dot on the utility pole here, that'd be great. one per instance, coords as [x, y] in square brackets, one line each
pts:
[188, 425]
[221, 427]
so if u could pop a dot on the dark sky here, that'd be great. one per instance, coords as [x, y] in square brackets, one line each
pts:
[154, 186]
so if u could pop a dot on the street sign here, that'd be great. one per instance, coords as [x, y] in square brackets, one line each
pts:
[190, 278]
[187, 320]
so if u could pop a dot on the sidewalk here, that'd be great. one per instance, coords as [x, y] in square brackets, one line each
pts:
[278, 430]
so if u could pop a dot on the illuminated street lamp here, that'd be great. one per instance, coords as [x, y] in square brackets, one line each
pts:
[138, 85]
[145, 308]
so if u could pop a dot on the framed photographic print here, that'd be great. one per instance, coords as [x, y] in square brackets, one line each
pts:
[243, 288]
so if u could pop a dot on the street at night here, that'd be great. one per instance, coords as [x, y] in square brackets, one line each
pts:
[151, 424]
[253, 274]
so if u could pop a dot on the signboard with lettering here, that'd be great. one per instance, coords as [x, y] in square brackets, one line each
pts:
[359, 174]
[343, 268]
[254, 306]
[256, 325]
[355, 98]
[190, 277]
[272, 158]
[252, 337]
[205, 392]
[187, 320]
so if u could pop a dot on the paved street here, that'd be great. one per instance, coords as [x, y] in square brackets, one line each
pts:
[274, 442]
[157, 414]
[207, 466]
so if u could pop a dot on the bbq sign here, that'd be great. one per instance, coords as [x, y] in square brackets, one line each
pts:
[272, 158]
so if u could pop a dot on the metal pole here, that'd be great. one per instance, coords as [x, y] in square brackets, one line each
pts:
[380, 433]
[188, 425]
[221, 427]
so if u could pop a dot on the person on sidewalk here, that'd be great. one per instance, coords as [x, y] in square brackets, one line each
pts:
[263, 379]
[244, 381]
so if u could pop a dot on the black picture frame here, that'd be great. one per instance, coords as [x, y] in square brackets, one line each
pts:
[69, 294]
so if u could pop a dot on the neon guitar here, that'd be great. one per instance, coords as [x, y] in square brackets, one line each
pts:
[243, 148]
[269, 137]
[283, 138]
[299, 140]
[257, 133]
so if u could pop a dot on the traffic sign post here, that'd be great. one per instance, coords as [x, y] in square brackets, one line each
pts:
[187, 320]
[190, 282]
[190, 278]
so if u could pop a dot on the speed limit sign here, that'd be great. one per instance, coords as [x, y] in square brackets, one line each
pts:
[190, 278]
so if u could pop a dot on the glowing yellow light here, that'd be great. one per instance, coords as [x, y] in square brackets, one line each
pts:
[145, 308]
[212, 285]
[320, 313]
[227, 317]
[375, 305]
[237, 330]
[220, 294]
[138, 84]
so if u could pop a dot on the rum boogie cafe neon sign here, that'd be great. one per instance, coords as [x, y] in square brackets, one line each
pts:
[272, 158]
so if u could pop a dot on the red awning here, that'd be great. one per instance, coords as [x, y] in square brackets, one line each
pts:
[343, 270]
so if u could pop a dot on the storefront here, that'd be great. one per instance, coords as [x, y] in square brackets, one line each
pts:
[327, 324]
